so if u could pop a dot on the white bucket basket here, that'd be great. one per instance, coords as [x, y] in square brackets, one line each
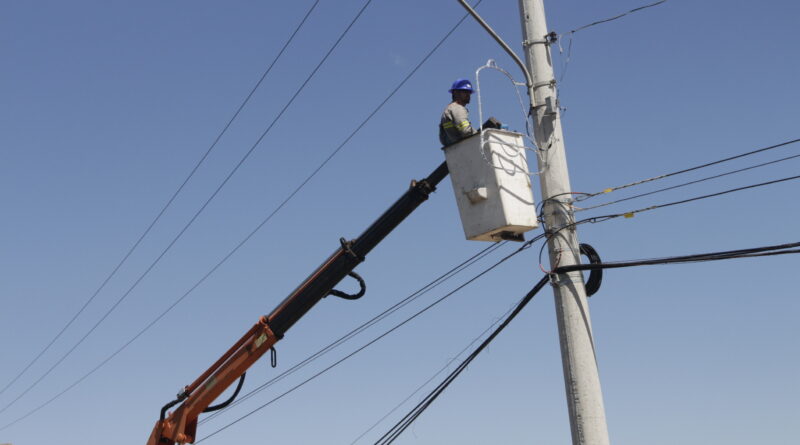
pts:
[492, 186]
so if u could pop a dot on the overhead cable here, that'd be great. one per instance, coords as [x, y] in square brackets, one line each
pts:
[169, 202]
[696, 198]
[570, 34]
[431, 378]
[585, 196]
[688, 183]
[778, 249]
[364, 326]
[393, 433]
[616, 17]
[199, 211]
[374, 340]
[256, 229]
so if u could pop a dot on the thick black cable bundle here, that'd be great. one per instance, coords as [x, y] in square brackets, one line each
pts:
[779, 249]
[409, 418]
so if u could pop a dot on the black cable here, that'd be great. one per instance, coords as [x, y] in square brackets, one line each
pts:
[690, 183]
[394, 432]
[430, 379]
[616, 17]
[779, 249]
[224, 404]
[369, 323]
[408, 419]
[371, 342]
[169, 202]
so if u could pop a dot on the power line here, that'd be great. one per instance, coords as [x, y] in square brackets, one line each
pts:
[200, 210]
[430, 379]
[169, 202]
[778, 249]
[689, 183]
[376, 339]
[364, 326]
[696, 198]
[781, 249]
[572, 33]
[616, 17]
[585, 196]
[260, 225]
[394, 432]
[257, 228]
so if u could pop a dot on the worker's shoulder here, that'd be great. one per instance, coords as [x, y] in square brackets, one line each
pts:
[455, 108]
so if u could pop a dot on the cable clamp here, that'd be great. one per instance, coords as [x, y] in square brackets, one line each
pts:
[527, 43]
[347, 247]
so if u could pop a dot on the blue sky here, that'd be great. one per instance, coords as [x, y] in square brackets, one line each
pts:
[107, 106]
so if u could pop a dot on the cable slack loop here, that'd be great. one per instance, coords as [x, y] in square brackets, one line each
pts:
[596, 275]
[346, 296]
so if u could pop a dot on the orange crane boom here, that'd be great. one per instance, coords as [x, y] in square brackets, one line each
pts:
[180, 426]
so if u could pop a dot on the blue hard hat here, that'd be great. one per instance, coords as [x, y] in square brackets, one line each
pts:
[462, 84]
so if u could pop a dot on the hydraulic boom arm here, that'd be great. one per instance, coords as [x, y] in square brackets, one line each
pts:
[180, 426]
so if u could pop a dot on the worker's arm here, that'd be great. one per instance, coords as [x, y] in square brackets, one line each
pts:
[461, 122]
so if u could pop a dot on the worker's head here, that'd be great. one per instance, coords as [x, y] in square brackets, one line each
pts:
[461, 91]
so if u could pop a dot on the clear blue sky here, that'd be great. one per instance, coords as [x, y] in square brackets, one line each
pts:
[107, 106]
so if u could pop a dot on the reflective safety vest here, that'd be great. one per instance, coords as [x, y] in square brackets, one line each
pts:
[454, 124]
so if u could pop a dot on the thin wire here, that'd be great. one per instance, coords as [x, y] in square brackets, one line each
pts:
[169, 202]
[251, 234]
[616, 17]
[688, 183]
[392, 309]
[697, 198]
[698, 167]
[371, 342]
[199, 211]
[570, 34]
[430, 379]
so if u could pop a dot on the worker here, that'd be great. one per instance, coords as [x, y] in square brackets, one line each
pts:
[455, 124]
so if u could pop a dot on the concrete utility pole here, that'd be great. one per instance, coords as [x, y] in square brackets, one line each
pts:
[584, 397]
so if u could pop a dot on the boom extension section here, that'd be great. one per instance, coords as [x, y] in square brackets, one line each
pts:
[180, 426]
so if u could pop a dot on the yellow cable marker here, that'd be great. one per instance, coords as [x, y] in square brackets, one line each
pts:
[628, 215]
[608, 190]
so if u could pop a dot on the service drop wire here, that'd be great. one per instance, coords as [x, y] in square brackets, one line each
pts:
[525, 246]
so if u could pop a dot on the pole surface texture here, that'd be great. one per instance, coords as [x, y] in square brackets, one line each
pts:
[581, 378]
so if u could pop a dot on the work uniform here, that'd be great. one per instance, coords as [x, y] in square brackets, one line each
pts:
[454, 124]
